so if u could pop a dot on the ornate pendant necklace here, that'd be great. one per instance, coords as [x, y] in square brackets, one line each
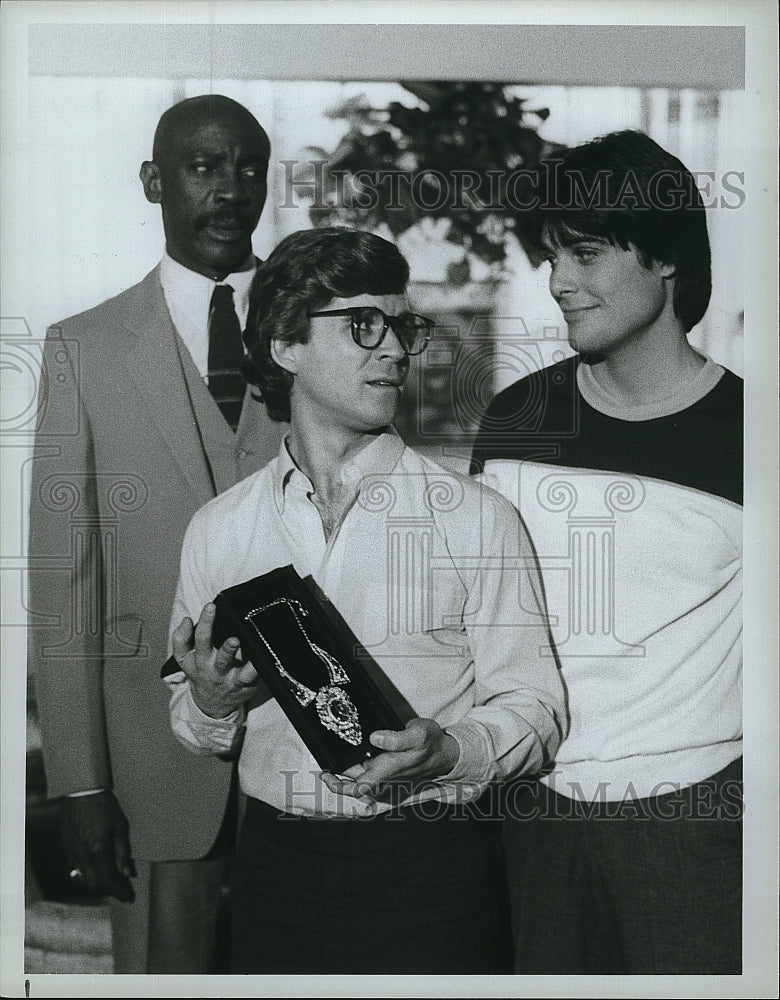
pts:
[335, 708]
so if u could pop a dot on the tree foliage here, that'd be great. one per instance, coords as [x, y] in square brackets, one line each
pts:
[475, 141]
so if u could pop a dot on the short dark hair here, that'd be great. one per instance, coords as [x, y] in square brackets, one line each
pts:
[625, 188]
[303, 274]
[193, 111]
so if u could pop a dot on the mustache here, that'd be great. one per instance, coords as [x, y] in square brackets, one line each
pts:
[225, 217]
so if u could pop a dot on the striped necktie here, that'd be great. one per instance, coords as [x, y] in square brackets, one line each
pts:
[226, 352]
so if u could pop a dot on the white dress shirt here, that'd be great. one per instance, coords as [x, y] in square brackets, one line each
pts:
[434, 575]
[188, 295]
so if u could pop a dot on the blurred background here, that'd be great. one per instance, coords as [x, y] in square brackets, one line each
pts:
[496, 319]
[341, 98]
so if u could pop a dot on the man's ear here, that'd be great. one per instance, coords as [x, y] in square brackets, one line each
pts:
[151, 180]
[285, 355]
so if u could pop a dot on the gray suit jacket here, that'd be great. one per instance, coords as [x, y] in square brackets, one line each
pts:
[130, 444]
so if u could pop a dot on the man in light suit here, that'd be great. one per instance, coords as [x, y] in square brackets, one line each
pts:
[137, 430]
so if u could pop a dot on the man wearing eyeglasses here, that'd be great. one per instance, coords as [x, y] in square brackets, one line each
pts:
[432, 574]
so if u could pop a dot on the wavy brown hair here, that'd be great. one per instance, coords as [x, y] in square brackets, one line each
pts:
[303, 274]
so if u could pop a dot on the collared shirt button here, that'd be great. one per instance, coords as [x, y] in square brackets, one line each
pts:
[350, 474]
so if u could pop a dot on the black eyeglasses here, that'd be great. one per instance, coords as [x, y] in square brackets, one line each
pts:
[369, 326]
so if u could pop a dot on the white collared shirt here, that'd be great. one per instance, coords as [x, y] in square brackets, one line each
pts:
[433, 574]
[188, 295]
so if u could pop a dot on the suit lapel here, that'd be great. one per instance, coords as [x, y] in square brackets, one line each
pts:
[186, 415]
[257, 434]
[157, 369]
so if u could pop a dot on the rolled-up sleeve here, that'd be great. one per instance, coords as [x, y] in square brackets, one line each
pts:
[197, 731]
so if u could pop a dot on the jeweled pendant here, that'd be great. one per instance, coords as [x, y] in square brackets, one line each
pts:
[338, 714]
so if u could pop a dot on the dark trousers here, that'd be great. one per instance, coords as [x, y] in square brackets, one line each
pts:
[178, 922]
[644, 886]
[418, 890]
